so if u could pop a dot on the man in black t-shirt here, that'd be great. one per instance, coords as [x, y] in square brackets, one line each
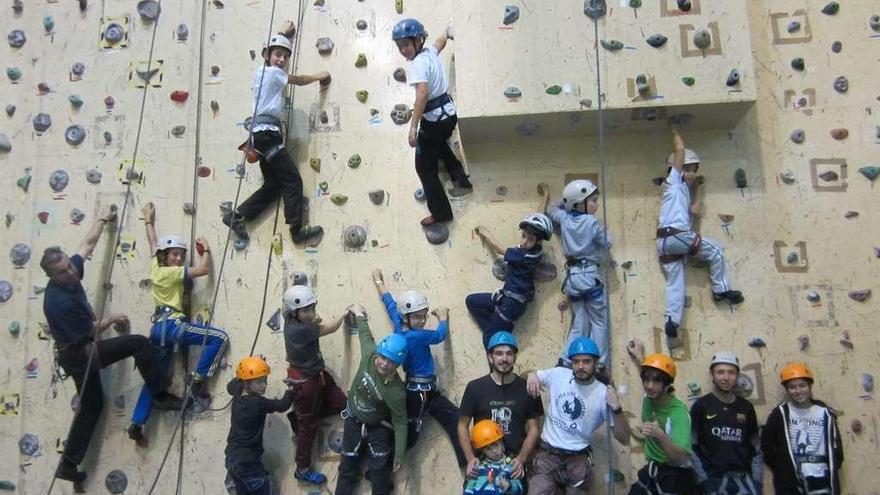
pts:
[727, 457]
[503, 397]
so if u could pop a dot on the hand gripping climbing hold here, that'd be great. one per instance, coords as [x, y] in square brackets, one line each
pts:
[16, 38]
[437, 233]
[20, 254]
[377, 196]
[149, 9]
[595, 9]
[511, 14]
[841, 84]
[354, 236]
[75, 135]
[512, 92]
[831, 8]
[325, 46]
[401, 114]
[58, 180]
[797, 63]
[611, 45]
[798, 136]
[116, 482]
[657, 40]
[733, 77]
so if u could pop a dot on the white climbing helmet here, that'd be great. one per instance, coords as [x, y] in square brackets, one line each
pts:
[410, 302]
[279, 40]
[690, 156]
[577, 191]
[540, 223]
[170, 242]
[724, 357]
[298, 296]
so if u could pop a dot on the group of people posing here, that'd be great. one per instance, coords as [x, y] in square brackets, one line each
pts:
[495, 431]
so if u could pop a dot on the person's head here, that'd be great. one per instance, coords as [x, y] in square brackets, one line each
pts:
[724, 371]
[253, 373]
[535, 228]
[390, 353]
[501, 352]
[691, 163]
[581, 195]
[584, 355]
[409, 35]
[657, 373]
[58, 267]
[488, 438]
[300, 303]
[413, 307]
[277, 53]
[798, 382]
[171, 251]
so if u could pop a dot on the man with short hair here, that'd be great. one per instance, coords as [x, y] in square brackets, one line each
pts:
[726, 448]
[501, 396]
[75, 329]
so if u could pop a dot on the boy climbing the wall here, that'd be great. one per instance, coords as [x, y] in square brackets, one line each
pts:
[676, 241]
[280, 174]
[408, 316]
[433, 118]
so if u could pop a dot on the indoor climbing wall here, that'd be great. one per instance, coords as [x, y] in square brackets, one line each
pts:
[111, 105]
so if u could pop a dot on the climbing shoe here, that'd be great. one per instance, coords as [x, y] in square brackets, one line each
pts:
[68, 472]
[731, 296]
[136, 433]
[465, 183]
[307, 234]
[236, 222]
[168, 402]
[602, 375]
[671, 329]
[310, 476]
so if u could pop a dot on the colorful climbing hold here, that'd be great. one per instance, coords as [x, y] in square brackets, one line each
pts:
[733, 77]
[323, 186]
[203, 171]
[59, 180]
[702, 38]
[803, 342]
[401, 114]
[688, 81]
[14, 328]
[868, 382]
[642, 85]
[611, 45]
[354, 236]
[48, 23]
[399, 75]
[634, 4]
[179, 95]
[77, 216]
[362, 95]
[437, 233]
[13, 73]
[149, 9]
[813, 297]
[114, 33]
[109, 102]
[798, 136]
[793, 26]
[797, 63]
[20, 254]
[76, 101]
[860, 295]
[874, 22]
[16, 38]
[338, 199]
[325, 46]
[315, 164]
[377, 196]
[757, 342]
[10, 110]
[839, 133]
[841, 84]
[5, 144]
[419, 195]
[178, 130]
[75, 135]
[354, 161]
[43, 217]
[836, 47]
[512, 92]
[856, 426]
[871, 173]
[24, 182]
[28, 444]
[740, 178]
[182, 32]
[684, 5]
[553, 90]
[511, 14]
[361, 24]
[831, 8]
[361, 61]
[116, 482]
[5, 290]
[595, 9]
[657, 40]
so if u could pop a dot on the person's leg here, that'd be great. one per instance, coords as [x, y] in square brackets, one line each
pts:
[427, 159]
[416, 405]
[578, 474]
[481, 308]
[597, 314]
[307, 407]
[268, 193]
[446, 413]
[147, 362]
[644, 484]
[381, 444]
[291, 185]
[334, 397]
[544, 474]
[579, 325]
[677, 245]
[349, 464]
[91, 400]
[214, 342]
[712, 252]
[452, 163]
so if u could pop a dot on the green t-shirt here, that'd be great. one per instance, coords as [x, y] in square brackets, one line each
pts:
[675, 421]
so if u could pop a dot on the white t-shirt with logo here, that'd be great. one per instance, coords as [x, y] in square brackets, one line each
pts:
[675, 202]
[806, 433]
[428, 68]
[574, 411]
[271, 96]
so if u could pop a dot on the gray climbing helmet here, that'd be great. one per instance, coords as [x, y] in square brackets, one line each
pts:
[538, 222]
[690, 156]
[577, 191]
[170, 242]
[410, 302]
[298, 296]
[724, 357]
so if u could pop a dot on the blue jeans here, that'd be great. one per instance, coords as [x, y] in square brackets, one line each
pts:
[164, 335]
[492, 316]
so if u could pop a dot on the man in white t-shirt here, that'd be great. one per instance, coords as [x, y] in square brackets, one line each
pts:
[578, 406]
[433, 118]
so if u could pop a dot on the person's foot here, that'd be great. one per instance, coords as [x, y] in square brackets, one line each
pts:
[168, 402]
[602, 375]
[731, 296]
[310, 234]
[671, 329]
[68, 472]
[465, 183]
[136, 433]
[310, 476]
[561, 363]
[199, 388]
[236, 222]
[428, 221]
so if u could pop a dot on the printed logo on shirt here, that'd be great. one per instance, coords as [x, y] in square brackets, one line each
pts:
[711, 416]
[741, 418]
[728, 434]
[502, 416]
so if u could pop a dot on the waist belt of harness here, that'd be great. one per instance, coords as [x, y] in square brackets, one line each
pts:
[262, 119]
[421, 379]
[163, 312]
[437, 102]
[557, 451]
[664, 232]
[582, 262]
[513, 295]
[816, 459]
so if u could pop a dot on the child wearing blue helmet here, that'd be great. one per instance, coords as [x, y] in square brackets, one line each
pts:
[433, 118]
[375, 411]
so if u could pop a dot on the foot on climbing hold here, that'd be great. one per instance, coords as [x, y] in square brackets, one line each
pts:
[611, 45]
[657, 40]
[237, 224]
[428, 221]
[671, 329]
[642, 85]
[308, 234]
[731, 296]
[831, 8]
[511, 14]
[310, 476]
[733, 77]
[702, 38]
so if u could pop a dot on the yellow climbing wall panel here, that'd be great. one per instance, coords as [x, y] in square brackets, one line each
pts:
[773, 217]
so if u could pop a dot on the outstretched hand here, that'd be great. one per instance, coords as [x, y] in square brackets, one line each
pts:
[149, 211]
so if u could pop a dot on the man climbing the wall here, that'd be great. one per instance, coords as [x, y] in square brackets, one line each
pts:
[726, 450]
[75, 329]
[433, 117]
[266, 143]
[676, 241]
[501, 396]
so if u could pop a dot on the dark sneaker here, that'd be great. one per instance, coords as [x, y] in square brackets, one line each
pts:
[310, 476]
[465, 183]
[311, 235]
[136, 433]
[236, 223]
[602, 375]
[170, 402]
[67, 472]
[731, 296]
[671, 329]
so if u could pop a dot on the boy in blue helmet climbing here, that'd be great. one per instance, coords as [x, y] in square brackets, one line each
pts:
[433, 118]
[375, 414]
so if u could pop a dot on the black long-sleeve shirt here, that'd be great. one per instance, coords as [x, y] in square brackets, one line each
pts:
[244, 445]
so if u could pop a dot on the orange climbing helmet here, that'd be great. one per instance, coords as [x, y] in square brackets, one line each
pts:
[795, 370]
[251, 368]
[661, 362]
[485, 432]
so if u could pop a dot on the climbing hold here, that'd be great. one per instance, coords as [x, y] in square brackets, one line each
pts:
[78, 69]
[114, 33]
[24, 182]
[109, 102]
[116, 482]
[744, 386]
[611, 45]
[361, 61]
[845, 340]
[240, 244]
[399, 75]
[5, 291]
[803, 342]
[215, 70]
[189, 208]
[362, 95]
[798, 136]
[850, 214]
[13, 73]
[793, 27]
[419, 195]
[318, 3]
[501, 190]
[757, 342]
[437, 233]
[215, 107]
[5, 144]
[14, 328]
[792, 258]
[77, 216]
[829, 176]
[203, 171]
[657, 40]
[354, 236]
[325, 46]
[182, 32]
[813, 297]
[841, 84]
[10, 110]
[553, 90]
[315, 164]
[338, 199]
[726, 218]
[334, 441]
[149, 9]
[361, 24]
[688, 81]
[43, 88]
[59, 180]
[868, 382]
[17, 6]
[856, 426]
[401, 114]
[274, 321]
[860, 295]
[48, 23]
[874, 22]
[300, 278]
[178, 130]
[20, 254]
[831, 8]
[595, 9]
[839, 133]
[836, 47]
[398, 6]
[9, 218]
[179, 95]
[740, 178]
[42, 121]
[377, 196]
[512, 92]
[634, 4]
[870, 173]
[684, 5]
[797, 63]
[586, 102]
[702, 38]
[642, 85]
[354, 161]
[733, 77]
[694, 389]
[545, 272]
[75, 135]
[76, 101]
[28, 444]
[16, 38]
[511, 14]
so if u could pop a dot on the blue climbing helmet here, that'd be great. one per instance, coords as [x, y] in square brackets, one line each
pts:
[408, 28]
[393, 347]
[503, 338]
[583, 345]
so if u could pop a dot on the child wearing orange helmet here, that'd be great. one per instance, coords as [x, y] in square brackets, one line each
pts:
[495, 471]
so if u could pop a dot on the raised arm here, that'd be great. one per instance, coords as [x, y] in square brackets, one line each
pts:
[678, 149]
[303, 80]
[149, 211]
[203, 264]
[332, 326]
[87, 246]
[545, 197]
[440, 42]
[483, 233]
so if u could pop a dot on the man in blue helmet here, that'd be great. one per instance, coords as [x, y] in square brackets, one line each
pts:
[433, 118]
[501, 396]
[375, 411]
[578, 405]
